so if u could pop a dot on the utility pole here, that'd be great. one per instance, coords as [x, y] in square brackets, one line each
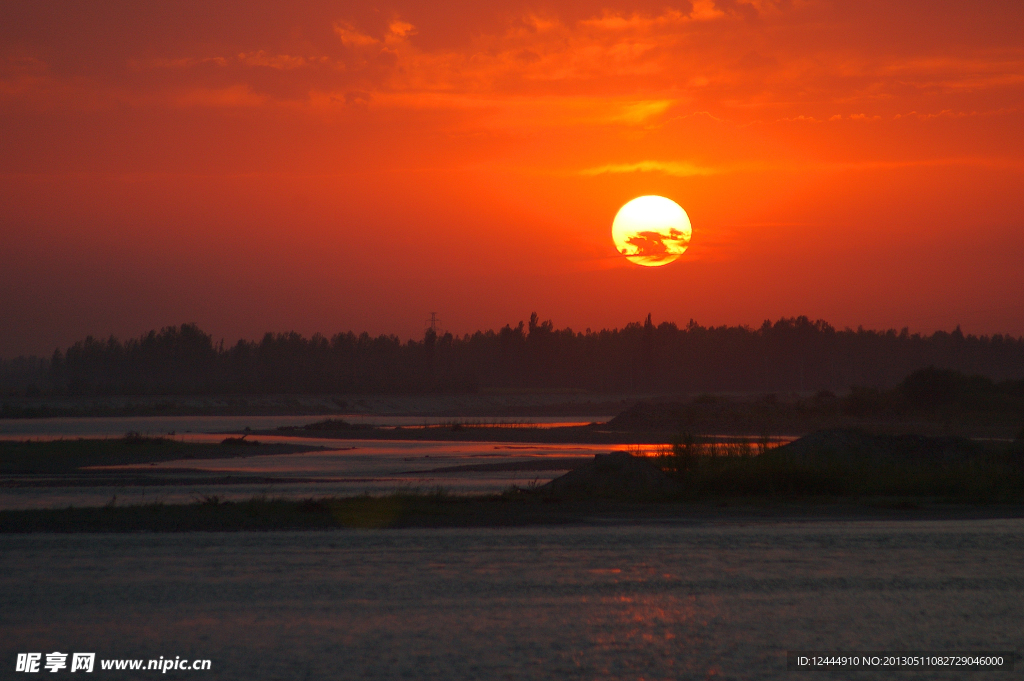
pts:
[433, 322]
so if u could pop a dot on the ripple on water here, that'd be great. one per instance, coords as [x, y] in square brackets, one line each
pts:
[546, 603]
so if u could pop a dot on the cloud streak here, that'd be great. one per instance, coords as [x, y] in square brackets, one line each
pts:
[709, 58]
[673, 168]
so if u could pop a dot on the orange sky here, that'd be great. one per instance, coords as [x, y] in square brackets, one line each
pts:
[326, 166]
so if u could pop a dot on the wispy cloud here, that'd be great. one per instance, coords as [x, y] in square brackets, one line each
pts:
[674, 168]
[514, 112]
[544, 70]
[284, 62]
[351, 37]
[687, 169]
[234, 96]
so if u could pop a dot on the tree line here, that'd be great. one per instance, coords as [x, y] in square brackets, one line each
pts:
[791, 354]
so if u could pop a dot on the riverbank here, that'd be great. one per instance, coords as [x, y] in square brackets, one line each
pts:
[509, 404]
[60, 457]
[405, 510]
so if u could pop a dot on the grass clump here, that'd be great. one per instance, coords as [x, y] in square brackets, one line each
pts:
[240, 442]
[434, 508]
[854, 465]
[331, 425]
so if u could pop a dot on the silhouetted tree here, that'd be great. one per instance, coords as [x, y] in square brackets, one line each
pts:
[787, 355]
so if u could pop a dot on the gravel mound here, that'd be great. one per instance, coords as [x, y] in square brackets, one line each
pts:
[851, 445]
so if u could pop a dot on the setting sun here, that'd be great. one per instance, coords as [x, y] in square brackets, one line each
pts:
[651, 231]
[333, 280]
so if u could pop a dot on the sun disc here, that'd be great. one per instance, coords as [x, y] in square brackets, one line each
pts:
[651, 231]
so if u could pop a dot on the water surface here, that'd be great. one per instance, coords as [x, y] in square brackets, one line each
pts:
[347, 467]
[677, 601]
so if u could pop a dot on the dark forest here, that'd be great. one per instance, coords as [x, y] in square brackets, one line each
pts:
[792, 354]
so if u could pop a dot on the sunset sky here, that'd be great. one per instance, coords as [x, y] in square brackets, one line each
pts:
[332, 166]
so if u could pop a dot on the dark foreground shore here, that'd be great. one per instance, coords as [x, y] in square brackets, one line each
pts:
[439, 510]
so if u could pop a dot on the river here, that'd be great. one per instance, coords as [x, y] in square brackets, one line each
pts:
[683, 600]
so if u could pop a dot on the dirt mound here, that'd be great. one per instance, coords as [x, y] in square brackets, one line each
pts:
[647, 416]
[612, 476]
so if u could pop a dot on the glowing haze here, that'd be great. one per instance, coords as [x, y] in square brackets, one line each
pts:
[325, 166]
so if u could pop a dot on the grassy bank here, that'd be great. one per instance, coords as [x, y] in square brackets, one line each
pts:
[817, 474]
[850, 464]
[67, 456]
[411, 510]
[261, 513]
